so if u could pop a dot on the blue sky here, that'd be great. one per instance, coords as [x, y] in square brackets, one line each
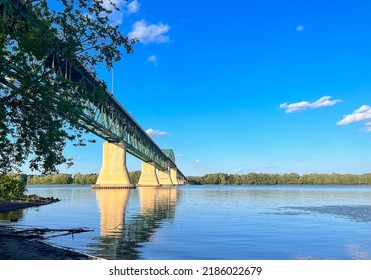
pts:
[247, 86]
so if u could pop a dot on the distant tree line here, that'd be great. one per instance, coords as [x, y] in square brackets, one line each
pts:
[281, 179]
[68, 179]
[134, 176]
[14, 185]
[52, 179]
[19, 181]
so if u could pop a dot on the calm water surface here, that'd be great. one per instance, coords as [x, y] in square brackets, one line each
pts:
[210, 222]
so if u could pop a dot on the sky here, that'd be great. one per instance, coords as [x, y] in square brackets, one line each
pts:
[245, 86]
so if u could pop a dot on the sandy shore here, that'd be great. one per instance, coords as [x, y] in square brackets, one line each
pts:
[20, 248]
[17, 248]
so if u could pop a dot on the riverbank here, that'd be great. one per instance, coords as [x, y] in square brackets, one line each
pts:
[25, 202]
[20, 248]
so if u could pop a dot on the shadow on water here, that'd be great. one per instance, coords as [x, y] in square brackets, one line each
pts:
[121, 238]
[357, 213]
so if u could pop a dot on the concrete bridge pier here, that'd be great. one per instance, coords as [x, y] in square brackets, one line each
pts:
[164, 178]
[113, 173]
[148, 178]
[173, 175]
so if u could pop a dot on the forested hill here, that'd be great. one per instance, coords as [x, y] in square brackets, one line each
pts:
[281, 179]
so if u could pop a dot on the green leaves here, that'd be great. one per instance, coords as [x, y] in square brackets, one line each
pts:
[12, 185]
[281, 179]
[40, 104]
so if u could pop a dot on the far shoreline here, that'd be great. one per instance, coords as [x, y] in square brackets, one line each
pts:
[232, 185]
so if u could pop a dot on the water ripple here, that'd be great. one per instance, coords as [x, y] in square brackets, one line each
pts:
[357, 213]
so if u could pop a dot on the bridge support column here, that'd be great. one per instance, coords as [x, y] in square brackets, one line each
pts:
[148, 178]
[164, 178]
[113, 173]
[173, 175]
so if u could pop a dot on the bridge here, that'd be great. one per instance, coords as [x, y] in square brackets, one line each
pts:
[104, 117]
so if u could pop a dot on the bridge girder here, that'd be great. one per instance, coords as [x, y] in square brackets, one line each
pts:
[104, 117]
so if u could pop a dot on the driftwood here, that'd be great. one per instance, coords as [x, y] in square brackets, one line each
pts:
[40, 233]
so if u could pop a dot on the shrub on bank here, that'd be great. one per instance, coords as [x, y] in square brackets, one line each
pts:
[11, 186]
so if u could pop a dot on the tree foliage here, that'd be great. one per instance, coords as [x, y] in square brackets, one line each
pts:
[281, 179]
[40, 107]
[69, 179]
[12, 185]
[134, 176]
[52, 179]
[85, 179]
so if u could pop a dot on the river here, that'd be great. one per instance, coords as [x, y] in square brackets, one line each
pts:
[209, 222]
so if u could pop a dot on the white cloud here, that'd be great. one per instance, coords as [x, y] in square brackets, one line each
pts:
[156, 132]
[363, 113]
[304, 105]
[153, 59]
[197, 161]
[150, 33]
[133, 7]
[117, 16]
[368, 126]
[179, 155]
[109, 3]
[299, 28]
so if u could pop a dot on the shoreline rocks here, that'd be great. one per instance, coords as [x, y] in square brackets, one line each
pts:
[25, 202]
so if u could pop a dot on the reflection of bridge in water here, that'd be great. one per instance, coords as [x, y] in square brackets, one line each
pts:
[121, 237]
[103, 116]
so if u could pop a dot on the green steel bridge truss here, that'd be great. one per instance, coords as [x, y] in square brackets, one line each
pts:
[104, 117]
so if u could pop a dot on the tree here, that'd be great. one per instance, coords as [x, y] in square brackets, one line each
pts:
[12, 185]
[39, 106]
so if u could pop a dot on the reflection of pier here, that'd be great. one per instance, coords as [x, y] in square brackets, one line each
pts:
[154, 200]
[112, 205]
[121, 238]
